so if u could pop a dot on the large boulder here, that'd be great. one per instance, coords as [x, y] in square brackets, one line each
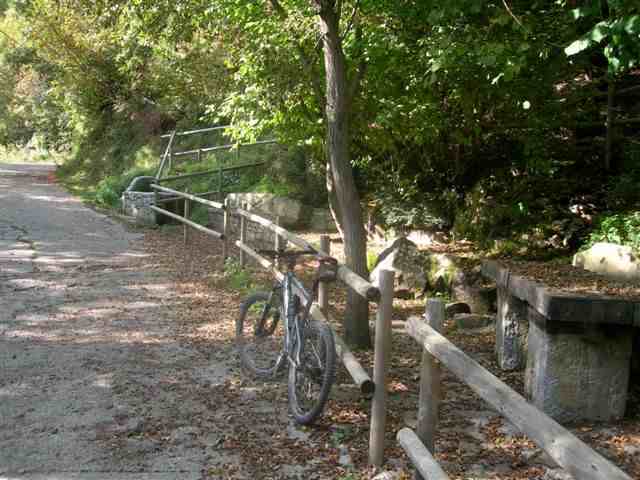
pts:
[611, 260]
[271, 206]
[403, 257]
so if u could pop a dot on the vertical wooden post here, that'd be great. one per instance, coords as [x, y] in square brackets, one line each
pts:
[380, 367]
[226, 230]
[243, 237]
[430, 393]
[156, 202]
[187, 213]
[323, 292]
[220, 181]
[278, 244]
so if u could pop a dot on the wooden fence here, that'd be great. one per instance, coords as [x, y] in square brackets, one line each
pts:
[382, 295]
[566, 449]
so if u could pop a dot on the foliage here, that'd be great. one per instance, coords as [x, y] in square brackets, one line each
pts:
[613, 27]
[621, 228]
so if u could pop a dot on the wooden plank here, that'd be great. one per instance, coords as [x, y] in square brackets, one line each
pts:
[565, 448]
[243, 240]
[194, 198]
[356, 282]
[197, 226]
[421, 458]
[382, 356]
[430, 395]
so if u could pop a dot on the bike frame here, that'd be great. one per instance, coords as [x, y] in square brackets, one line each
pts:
[293, 321]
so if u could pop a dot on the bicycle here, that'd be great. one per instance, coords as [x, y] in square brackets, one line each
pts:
[305, 344]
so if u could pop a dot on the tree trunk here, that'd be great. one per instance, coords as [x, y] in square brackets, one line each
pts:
[356, 320]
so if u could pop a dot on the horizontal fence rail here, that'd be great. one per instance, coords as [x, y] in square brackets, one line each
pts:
[192, 132]
[193, 198]
[182, 219]
[228, 146]
[210, 172]
[353, 280]
[566, 449]
[421, 458]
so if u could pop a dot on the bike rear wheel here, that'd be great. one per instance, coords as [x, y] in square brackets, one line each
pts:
[260, 335]
[310, 382]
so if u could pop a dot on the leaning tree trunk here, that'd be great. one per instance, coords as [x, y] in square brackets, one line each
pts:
[345, 193]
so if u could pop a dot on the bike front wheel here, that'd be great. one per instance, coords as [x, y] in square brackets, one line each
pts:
[310, 382]
[260, 334]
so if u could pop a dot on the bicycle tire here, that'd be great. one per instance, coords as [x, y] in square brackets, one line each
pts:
[259, 341]
[317, 368]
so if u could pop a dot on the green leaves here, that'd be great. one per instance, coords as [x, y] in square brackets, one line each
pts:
[617, 34]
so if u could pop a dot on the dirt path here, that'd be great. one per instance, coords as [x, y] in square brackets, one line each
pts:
[98, 378]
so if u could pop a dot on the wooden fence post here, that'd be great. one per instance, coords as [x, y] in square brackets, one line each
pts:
[226, 229]
[430, 393]
[323, 288]
[278, 244]
[187, 213]
[380, 367]
[243, 237]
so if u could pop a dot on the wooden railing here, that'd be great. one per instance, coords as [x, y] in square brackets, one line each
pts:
[382, 295]
[566, 449]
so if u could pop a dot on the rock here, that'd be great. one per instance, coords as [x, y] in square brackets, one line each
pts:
[535, 456]
[456, 308]
[471, 321]
[345, 458]
[403, 257]
[271, 206]
[611, 260]
[389, 475]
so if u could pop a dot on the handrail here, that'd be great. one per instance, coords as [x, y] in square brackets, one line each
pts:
[348, 276]
[193, 198]
[195, 225]
[209, 172]
[565, 448]
[228, 146]
[199, 130]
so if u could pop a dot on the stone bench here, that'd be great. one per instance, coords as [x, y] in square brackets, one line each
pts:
[576, 349]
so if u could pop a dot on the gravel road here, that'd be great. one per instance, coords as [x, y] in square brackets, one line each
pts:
[93, 383]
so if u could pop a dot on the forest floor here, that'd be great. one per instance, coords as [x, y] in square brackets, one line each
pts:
[473, 441]
[118, 362]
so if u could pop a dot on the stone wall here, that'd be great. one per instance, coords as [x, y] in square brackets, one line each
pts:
[138, 205]
[258, 237]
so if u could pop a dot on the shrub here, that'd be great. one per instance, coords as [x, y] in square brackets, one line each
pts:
[621, 228]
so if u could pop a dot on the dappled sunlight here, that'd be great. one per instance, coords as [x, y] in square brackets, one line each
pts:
[54, 199]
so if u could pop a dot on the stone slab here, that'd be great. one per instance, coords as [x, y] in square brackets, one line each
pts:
[563, 307]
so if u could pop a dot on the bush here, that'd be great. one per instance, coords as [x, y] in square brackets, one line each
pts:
[621, 228]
